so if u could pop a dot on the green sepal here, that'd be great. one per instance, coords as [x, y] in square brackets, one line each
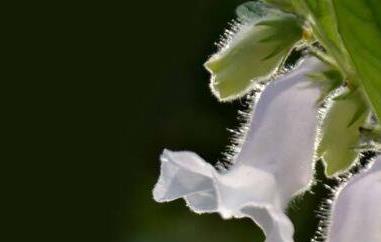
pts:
[328, 80]
[253, 54]
[340, 131]
[253, 10]
[371, 134]
[285, 5]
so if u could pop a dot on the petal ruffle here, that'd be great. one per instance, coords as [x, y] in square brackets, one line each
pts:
[274, 162]
[356, 214]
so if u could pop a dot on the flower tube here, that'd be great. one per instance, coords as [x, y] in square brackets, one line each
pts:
[356, 214]
[274, 162]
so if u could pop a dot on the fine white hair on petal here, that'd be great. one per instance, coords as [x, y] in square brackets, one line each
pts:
[356, 212]
[273, 163]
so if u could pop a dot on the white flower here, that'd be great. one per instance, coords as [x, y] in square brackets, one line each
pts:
[356, 214]
[274, 162]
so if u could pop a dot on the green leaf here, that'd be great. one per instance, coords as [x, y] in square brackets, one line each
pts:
[321, 17]
[359, 23]
[253, 54]
[324, 21]
[340, 131]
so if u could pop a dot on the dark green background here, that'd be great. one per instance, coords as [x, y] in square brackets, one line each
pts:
[167, 104]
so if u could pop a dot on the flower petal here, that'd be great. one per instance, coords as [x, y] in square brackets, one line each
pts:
[356, 214]
[185, 174]
[281, 136]
[274, 161]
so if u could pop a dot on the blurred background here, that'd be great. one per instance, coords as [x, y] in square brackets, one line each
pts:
[167, 104]
[99, 90]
